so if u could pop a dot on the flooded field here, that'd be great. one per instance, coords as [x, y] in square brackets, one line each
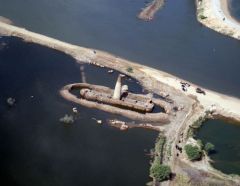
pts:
[37, 149]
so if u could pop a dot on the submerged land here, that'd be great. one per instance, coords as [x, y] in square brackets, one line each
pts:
[147, 13]
[187, 105]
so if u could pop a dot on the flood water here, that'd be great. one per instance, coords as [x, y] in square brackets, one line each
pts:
[234, 6]
[36, 149]
[174, 42]
[226, 139]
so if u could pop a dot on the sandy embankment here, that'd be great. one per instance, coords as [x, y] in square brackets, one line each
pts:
[215, 15]
[5, 20]
[223, 104]
[147, 14]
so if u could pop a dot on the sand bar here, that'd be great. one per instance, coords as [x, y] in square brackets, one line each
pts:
[147, 13]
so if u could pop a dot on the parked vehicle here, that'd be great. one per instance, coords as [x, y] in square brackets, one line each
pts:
[200, 91]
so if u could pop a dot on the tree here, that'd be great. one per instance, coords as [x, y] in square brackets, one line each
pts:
[209, 147]
[160, 172]
[193, 152]
[130, 69]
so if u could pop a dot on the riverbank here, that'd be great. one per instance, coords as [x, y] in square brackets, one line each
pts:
[215, 15]
[189, 103]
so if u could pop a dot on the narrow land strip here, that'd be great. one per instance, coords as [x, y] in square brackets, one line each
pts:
[228, 106]
[147, 14]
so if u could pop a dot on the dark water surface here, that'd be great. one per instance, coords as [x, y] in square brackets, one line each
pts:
[174, 41]
[36, 149]
[234, 6]
[226, 139]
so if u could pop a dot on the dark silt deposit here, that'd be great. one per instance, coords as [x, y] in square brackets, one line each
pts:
[226, 139]
[38, 149]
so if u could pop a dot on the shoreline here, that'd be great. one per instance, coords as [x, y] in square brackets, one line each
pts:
[216, 15]
[194, 105]
[227, 10]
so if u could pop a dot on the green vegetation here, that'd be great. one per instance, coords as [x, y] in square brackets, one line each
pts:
[130, 69]
[196, 125]
[160, 172]
[209, 147]
[169, 150]
[159, 146]
[193, 152]
[202, 17]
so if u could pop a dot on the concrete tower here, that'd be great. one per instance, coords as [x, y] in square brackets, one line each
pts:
[118, 87]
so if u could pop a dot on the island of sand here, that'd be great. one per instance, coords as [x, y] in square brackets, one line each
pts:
[147, 13]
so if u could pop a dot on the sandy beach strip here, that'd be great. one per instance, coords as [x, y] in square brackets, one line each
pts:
[215, 15]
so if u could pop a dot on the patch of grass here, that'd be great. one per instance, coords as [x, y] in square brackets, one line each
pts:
[193, 152]
[159, 146]
[169, 150]
[130, 69]
[209, 148]
[196, 125]
[202, 17]
[159, 171]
